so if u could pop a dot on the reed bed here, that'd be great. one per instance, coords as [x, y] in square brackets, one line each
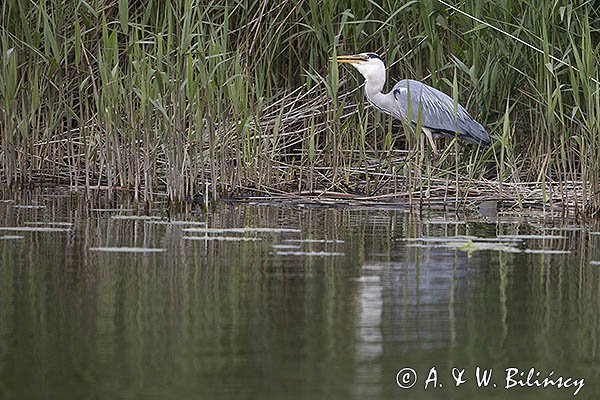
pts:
[223, 98]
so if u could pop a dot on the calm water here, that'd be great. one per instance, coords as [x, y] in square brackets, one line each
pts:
[333, 310]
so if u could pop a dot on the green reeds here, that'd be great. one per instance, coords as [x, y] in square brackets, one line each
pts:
[229, 98]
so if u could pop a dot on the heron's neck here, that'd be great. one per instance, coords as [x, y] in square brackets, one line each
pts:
[374, 85]
[373, 90]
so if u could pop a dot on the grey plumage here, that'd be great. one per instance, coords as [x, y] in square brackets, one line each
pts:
[437, 112]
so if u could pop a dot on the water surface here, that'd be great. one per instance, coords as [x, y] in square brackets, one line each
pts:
[332, 303]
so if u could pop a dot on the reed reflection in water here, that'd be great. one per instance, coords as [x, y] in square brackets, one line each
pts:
[286, 316]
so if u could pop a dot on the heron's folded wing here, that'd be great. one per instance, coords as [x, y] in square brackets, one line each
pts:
[437, 111]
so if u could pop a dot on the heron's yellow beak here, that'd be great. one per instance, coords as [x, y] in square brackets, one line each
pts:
[352, 59]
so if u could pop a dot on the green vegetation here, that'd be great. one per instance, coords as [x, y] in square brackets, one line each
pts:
[239, 96]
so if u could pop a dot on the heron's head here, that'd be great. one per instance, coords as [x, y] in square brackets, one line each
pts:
[370, 65]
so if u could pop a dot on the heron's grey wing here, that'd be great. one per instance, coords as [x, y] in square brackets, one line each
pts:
[437, 111]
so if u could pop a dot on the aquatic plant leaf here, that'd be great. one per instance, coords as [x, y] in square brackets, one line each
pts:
[307, 253]
[242, 230]
[127, 249]
[223, 238]
[285, 247]
[546, 251]
[165, 222]
[445, 239]
[39, 223]
[533, 236]
[11, 237]
[313, 241]
[135, 217]
[112, 209]
[33, 229]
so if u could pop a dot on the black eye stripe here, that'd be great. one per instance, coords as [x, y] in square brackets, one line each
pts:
[373, 55]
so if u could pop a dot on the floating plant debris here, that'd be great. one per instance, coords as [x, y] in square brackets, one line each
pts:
[242, 230]
[29, 206]
[562, 229]
[112, 209]
[421, 246]
[223, 238]
[546, 251]
[11, 237]
[127, 249]
[49, 223]
[470, 246]
[307, 253]
[285, 246]
[532, 236]
[443, 222]
[499, 239]
[33, 229]
[135, 217]
[165, 222]
[437, 239]
[313, 241]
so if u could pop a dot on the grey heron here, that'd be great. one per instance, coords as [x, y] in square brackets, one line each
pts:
[413, 100]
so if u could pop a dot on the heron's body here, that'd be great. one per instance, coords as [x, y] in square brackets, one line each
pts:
[413, 101]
